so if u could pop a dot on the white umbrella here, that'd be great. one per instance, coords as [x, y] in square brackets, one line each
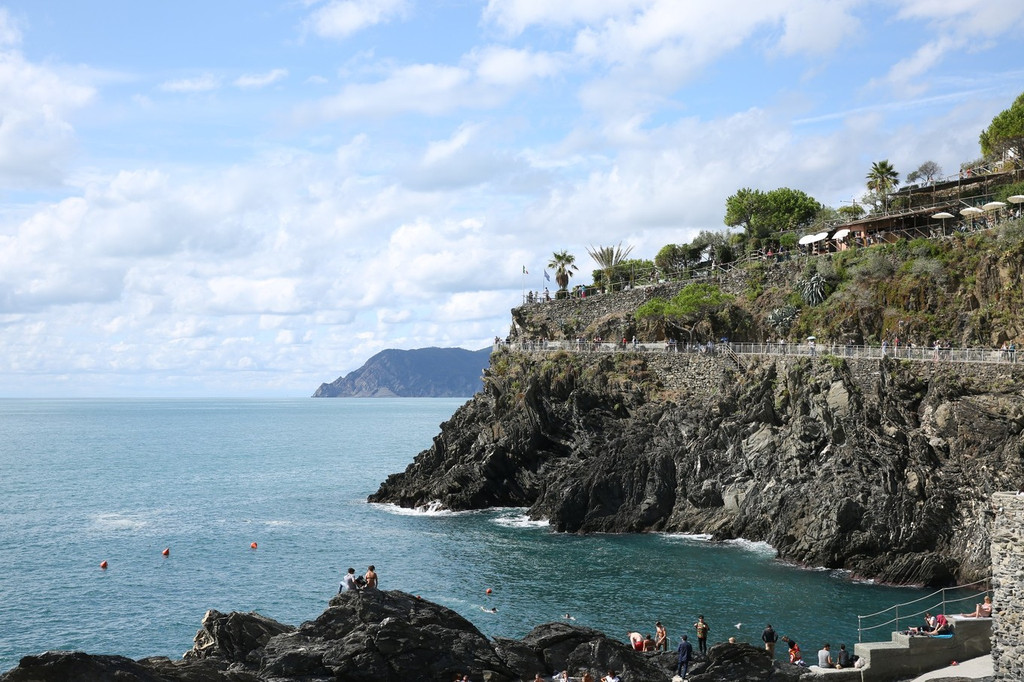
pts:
[812, 338]
[818, 237]
[970, 211]
[841, 234]
[993, 205]
[1016, 199]
[806, 239]
[943, 216]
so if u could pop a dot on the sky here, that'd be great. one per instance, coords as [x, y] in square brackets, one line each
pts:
[246, 199]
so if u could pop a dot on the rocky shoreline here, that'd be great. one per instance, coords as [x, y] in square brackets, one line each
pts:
[882, 468]
[392, 636]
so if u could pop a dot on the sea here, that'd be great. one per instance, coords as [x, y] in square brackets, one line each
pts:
[120, 481]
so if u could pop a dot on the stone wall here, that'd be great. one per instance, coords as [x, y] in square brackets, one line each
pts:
[702, 374]
[1008, 583]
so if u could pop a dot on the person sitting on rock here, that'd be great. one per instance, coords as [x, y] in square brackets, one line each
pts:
[370, 578]
[587, 677]
[636, 640]
[825, 656]
[980, 610]
[648, 644]
[795, 657]
[348, 581]
[844, 659]
[612, 676]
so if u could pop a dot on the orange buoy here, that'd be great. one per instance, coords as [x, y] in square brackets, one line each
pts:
[488, 590]
[252, 545]
[166, 552]
[103, 564]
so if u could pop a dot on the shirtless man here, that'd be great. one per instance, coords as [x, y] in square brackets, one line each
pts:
[636, 640]
[660, 637]
[371, 579]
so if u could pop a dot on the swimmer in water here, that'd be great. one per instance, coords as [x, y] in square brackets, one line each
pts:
[486, 610]
[568, 617]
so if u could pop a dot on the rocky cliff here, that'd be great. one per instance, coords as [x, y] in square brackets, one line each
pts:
[378, 636]
[883, 468]
[419, 373]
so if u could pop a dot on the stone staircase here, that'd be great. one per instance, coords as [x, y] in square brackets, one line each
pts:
[906, 657]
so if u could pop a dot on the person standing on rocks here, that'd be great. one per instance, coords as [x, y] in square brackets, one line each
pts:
[660, 637]
[769, 637]
[685, 652]
[370, 578]
[702, 629]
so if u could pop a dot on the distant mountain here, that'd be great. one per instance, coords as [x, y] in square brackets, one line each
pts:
[419, 373]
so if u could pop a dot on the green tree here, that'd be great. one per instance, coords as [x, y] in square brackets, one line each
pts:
[564, 264]
[1006, 133]
[607, 257]
[851, 212]
[674, 258]
[765, 214]
[882, 178]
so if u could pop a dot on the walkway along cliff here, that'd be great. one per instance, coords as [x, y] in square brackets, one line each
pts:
[882, 467]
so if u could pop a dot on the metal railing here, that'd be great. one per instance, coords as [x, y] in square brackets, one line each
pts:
[936, 602]
[915, 353]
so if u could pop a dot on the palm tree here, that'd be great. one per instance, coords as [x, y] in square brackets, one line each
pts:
[563, 263]
[882, 178]
[608, 257]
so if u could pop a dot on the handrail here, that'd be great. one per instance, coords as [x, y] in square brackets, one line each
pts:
[943, 602]
[942, 353]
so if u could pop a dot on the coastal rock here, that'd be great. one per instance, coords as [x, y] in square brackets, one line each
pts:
[386, 636]
[881, 467]
[233, 636]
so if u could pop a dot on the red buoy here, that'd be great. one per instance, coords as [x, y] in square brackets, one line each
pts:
[488, 590]
[252, 546]
[103, 564]
[166, 552]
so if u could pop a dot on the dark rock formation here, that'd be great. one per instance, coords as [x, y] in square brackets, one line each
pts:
[376, 636]
[420, 373]
[879, 467]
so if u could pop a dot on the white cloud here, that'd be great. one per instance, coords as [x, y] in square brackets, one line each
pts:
[36, 134]
[10, 34]
[425, 88]
[204, 83]
[516, 15]
[342, 18]
[261, 80]
[906, 74]
[511, 67]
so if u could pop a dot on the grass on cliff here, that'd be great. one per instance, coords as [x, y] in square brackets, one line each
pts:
[965, 290]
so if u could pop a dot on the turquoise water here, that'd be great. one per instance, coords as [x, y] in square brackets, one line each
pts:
[120, 480]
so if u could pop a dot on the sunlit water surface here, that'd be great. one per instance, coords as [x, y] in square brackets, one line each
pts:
[121, 480]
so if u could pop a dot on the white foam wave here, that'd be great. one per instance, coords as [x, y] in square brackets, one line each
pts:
[432, 509]
[520, 521]
[117, 522]
[755, 547]
[689, 537]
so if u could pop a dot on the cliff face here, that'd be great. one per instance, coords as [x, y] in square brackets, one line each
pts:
[880, 467]
[420, 373]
